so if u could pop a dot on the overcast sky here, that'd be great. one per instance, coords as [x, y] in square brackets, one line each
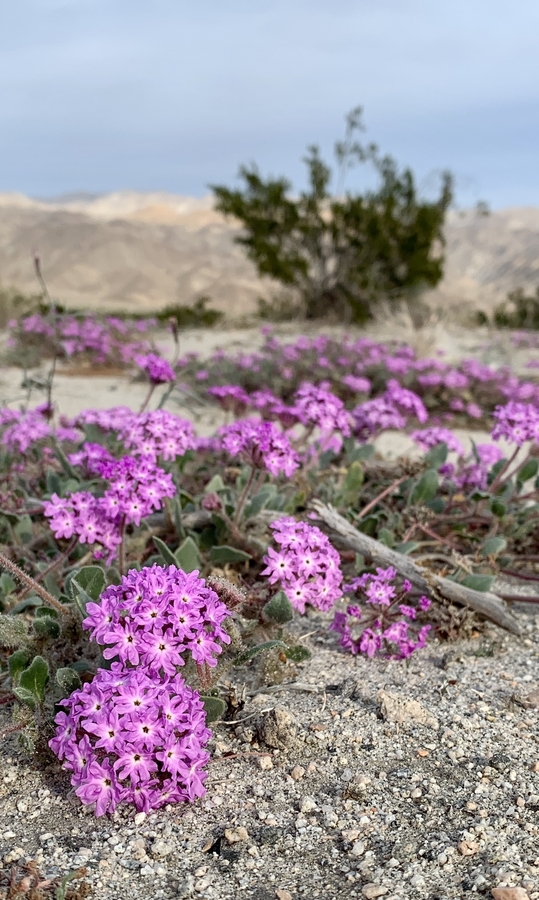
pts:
[101, 95]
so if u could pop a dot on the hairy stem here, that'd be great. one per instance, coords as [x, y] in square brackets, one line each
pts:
[31, 583]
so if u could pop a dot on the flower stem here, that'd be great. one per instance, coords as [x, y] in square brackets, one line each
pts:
[147, 398]
[25, 579]
[498, 480]
[121, 548]
[243, 498]
[381, 496]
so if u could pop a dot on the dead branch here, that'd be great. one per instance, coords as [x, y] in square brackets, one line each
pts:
[486, 604]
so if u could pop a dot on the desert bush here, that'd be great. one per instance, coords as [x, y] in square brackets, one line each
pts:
[343, 252]
[519, 311]
[199, 315]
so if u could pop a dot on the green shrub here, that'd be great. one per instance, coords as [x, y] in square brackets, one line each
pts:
[196, 316]
[344, 252]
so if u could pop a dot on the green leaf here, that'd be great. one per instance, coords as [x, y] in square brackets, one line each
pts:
[26, 603]
[85, 586]
[493, 546]
[35, 677]
[247, 655]
[68, 680]
[407, 547]
[91, 579]
[528, 470]
[437, 456]
[61, 890]
[47, 626]
[498, 508]
[7, 585]
[53, 482]
[279, 608]
[187, 556]
[177, 514]
[80, 597]
[497, 468]
[297, 653]
[351, 485]
[214, 706]
[93, 433]
[480, 495]
[225, 554]
[166, 553]
[16, 663]
[24, 529]
[359, 453]
[260, 501]
[72, 485]
[215, 485]
[64, 462]
[369, 525]
[26, 697]
[42, 611]
[386, 537]
[437, 505]
[479, 582]
[425, 489]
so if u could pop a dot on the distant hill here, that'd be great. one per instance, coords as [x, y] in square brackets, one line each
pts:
[141, 251]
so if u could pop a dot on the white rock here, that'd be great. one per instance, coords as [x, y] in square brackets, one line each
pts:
[308, 804]
[358, 848]
[160, 849]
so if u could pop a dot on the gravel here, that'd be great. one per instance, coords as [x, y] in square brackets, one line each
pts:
[432, 793]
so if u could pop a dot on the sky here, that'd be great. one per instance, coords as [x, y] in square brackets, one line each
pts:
[173, 95]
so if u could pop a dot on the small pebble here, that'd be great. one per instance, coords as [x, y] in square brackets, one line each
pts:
[236, 835]
[372, 891]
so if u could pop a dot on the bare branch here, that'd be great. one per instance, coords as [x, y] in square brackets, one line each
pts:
[486, 604]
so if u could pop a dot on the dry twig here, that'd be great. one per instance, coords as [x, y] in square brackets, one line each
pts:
[486, 604]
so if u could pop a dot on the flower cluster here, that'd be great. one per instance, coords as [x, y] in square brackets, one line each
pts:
[231, 398]
[399, 385]
[136, 488]
[473, 472]
[317, 406]
[431, 437]
[155, 617]
[307, 567]
[158, 370]
[133, 737]
[391, 410]
[516, 422]
[23, 429]
[137, 733]
[386, 624]
[109, 340]
[159, 433]
[261, 444]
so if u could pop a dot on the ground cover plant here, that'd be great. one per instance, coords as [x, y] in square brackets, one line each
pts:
[142, 563]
